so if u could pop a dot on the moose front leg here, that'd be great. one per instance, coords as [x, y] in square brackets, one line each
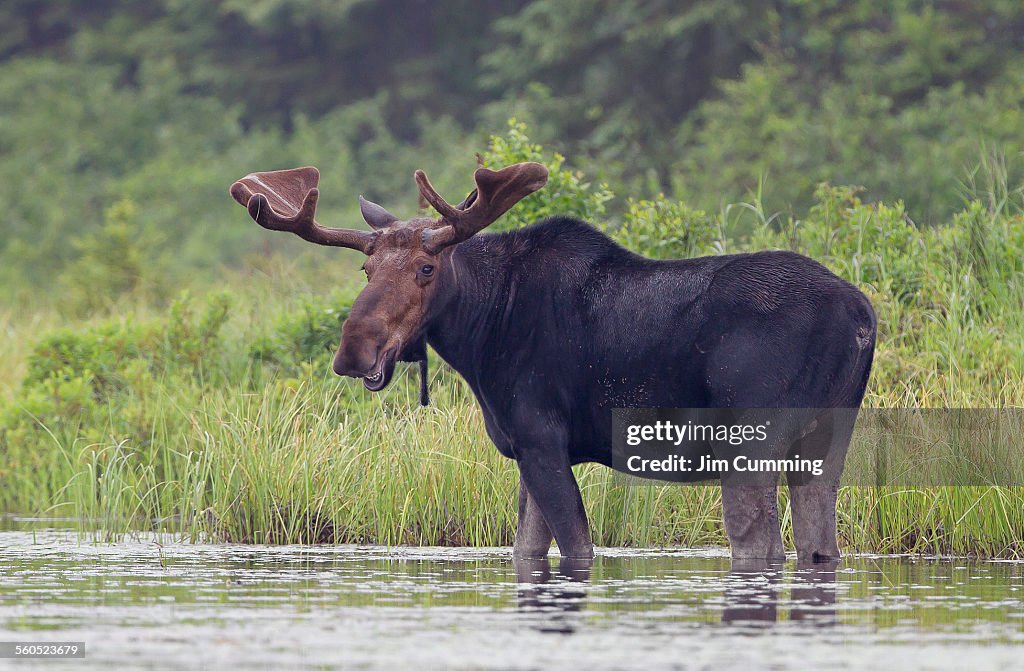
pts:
[533, 537]
[553, 492]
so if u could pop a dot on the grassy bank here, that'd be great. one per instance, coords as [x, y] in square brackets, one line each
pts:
[218, 416]
[309, 459]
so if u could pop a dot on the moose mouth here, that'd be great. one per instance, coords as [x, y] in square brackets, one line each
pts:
[381, 373]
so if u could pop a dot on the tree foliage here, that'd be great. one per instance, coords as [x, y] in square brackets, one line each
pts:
[164, 103]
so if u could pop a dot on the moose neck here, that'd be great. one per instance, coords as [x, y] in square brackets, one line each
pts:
[474, 298]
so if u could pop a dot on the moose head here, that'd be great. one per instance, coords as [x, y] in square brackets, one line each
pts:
[388, 319]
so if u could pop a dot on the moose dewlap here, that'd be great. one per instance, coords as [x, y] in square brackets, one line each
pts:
[555, 326]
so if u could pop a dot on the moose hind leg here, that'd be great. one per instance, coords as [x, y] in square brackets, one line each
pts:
[533, 537]
[750, 496]
[814, 522]
[813, 499]
[752, 521]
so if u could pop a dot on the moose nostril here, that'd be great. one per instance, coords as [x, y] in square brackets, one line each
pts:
[362, 338]
[341, 367]
[355, 359]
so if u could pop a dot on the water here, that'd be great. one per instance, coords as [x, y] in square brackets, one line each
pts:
[147, 604]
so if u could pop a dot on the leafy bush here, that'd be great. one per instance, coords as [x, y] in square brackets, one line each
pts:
[868, 243]
[104, 382]
[184, 340]
[771, 125]
[112, 262]
[666, 229]
[567, 192]
[302, 335]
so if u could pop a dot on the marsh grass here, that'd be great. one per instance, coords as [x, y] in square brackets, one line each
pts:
[292, 467]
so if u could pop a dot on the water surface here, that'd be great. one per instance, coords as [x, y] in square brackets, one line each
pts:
[146, 603]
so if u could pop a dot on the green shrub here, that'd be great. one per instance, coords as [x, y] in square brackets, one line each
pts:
[865, 243]
[666, 229]
[105, 384]
[567, 192]
[184, 340]
[300, 336]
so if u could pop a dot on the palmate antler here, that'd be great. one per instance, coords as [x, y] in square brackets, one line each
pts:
[285, 200]
[496, 192]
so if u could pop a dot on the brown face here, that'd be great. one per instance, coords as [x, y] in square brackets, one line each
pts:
[387, 319]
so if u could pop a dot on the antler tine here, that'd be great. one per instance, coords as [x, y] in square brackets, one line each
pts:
[434, 198]
[273, 201]
[496, 192]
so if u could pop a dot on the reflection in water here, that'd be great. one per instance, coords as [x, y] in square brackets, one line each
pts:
[814, 594]
[374, 607]
[563, 594]
[753, 591]
[757, 593]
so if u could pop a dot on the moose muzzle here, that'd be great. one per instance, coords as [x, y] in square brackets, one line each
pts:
[363, 354]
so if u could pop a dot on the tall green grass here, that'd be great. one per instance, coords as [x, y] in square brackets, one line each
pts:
[286, 464]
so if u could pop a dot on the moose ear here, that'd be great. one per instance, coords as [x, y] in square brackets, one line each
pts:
[375, 215]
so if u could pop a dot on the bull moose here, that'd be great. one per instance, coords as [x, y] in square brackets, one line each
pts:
[554, 325]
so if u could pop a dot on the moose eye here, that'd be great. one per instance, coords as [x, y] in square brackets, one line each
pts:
[427, 270]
